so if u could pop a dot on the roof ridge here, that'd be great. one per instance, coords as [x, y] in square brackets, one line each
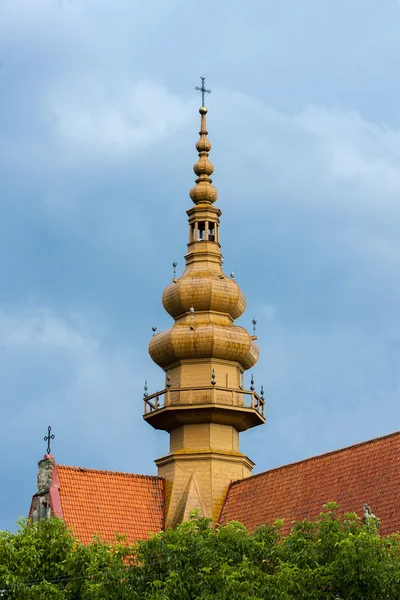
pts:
[107, 471]
[317, 456]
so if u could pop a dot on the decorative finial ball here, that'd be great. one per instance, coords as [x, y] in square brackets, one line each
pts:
[233, 275]
[191, 310]
[203, 110]
[174, 264]
[154, 328]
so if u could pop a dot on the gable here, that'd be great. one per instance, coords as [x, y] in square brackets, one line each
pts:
[364, 473]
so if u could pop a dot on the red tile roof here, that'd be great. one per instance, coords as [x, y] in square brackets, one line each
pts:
[367, 472]
[105, 503]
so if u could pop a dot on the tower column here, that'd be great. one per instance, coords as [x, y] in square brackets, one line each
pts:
[198, 479]
[205, 407]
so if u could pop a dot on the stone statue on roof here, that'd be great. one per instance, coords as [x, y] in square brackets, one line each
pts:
[369, 518]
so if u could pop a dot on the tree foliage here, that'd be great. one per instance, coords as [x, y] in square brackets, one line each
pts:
[333, 557]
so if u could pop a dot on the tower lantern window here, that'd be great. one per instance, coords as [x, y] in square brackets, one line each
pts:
[201, 231]
[211, 232]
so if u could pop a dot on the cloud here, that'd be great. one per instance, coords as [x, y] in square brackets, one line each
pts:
[39, 329]
[320, 145]
[326, 387]
[64, 370]
[73, 379]
[101, 121]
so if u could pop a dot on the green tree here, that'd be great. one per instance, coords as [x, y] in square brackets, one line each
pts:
[330, 558]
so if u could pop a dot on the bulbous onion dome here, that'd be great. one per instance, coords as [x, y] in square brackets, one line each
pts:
[204, 290]
[205, 340]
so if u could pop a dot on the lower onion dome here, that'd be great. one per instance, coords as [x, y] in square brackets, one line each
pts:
[181, 342]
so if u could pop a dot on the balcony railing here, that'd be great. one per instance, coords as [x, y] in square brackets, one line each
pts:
[204, 395]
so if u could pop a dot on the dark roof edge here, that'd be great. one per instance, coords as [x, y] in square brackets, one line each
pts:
[108, 472]
[225, 500]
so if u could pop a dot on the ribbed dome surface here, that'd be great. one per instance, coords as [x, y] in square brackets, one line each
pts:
[209, 340]
[204, 290]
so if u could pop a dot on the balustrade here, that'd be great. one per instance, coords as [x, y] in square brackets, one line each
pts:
[202, 395]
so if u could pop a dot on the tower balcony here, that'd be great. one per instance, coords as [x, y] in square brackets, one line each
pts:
[173, 407]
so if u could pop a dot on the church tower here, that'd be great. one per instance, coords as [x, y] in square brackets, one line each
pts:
[204, 405]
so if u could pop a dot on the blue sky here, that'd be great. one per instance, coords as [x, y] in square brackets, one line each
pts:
[98, 124]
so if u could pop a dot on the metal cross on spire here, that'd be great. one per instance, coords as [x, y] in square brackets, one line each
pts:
[47, 438]
[202, 89]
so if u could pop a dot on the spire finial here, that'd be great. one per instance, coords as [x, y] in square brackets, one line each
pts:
[203, 90]
[203, 191]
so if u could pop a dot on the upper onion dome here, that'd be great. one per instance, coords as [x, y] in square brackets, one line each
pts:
[204, 290]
